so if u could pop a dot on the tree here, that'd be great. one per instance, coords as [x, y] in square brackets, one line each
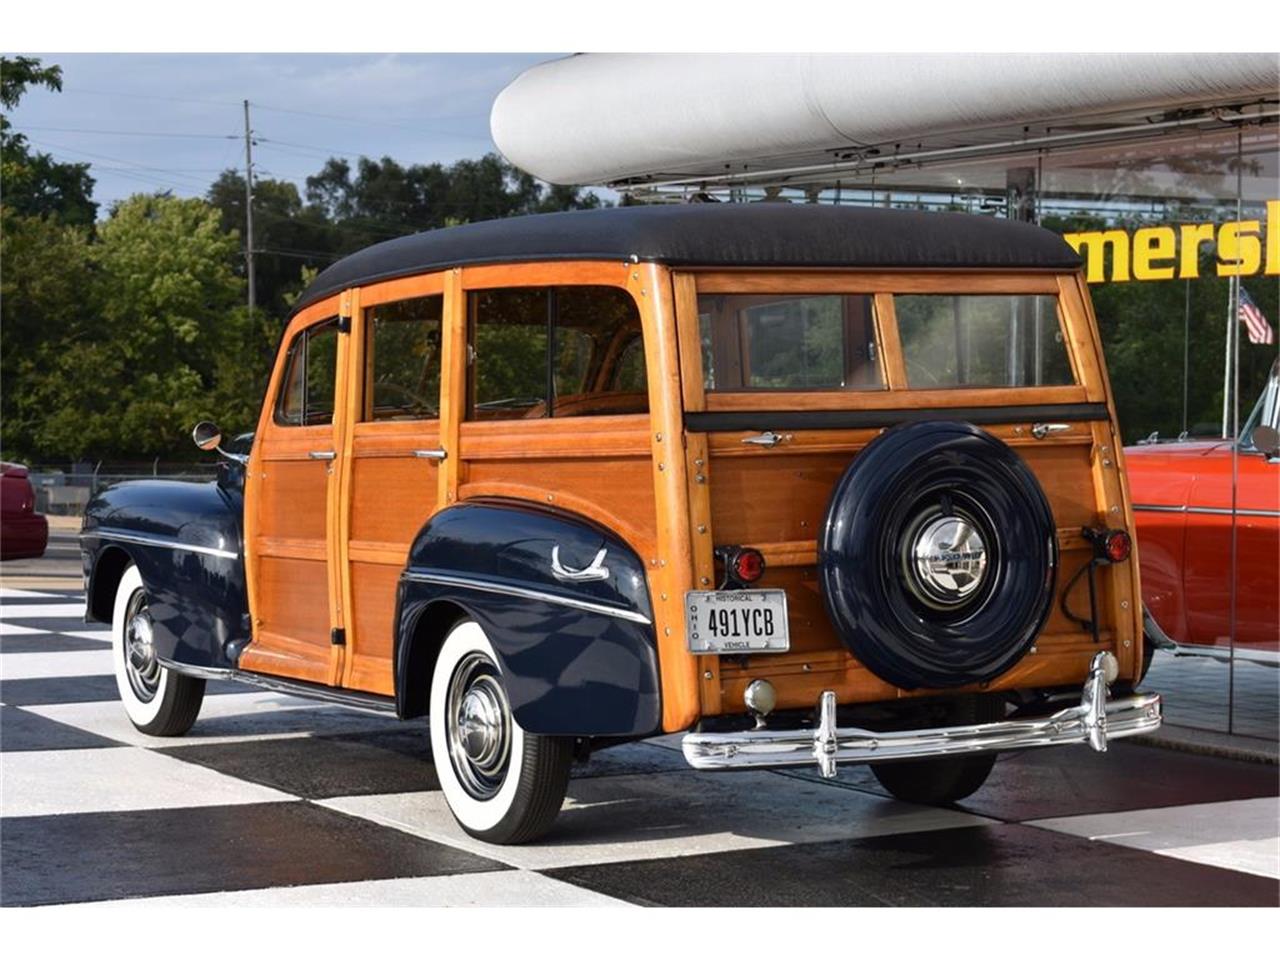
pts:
[288, 237]
[166, 341]
[34, 183]
[382, 199]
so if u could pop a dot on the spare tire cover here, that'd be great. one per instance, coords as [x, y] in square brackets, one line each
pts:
[938, 556]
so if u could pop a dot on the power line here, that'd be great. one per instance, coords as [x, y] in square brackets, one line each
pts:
[137, 133]
[147, 96]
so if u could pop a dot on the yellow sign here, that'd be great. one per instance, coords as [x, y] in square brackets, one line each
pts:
[1243, 249]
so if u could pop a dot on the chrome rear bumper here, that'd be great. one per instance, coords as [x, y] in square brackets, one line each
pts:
[1095, 720]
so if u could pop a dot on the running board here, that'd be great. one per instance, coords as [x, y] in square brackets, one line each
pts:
[352, 699]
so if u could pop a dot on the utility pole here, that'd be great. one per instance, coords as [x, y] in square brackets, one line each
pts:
[248, 205]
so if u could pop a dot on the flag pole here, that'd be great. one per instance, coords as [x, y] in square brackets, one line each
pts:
[1226, 361]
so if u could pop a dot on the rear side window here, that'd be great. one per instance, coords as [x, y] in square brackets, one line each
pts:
[981, 341]
[555, 352]
[403, 359]
[788, 342]
[306, 395]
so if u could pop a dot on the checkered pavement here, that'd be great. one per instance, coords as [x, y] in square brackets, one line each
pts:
[274, 800]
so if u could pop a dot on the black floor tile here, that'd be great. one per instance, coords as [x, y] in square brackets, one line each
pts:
[45, 690]
[104, 856]
[48, 643]
[51, 643]
[319, 767]
[1074, 780]
[23, 730]
[1004, 865]
[56, 624]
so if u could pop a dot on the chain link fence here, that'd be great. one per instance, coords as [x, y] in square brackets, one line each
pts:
[63, 490]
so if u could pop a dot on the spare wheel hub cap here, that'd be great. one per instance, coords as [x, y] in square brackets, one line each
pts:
[948, 560]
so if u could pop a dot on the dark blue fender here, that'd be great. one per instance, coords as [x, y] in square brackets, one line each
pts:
[578, 658]
[185, 539]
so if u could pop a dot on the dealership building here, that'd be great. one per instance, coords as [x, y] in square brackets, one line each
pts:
[1162, 170]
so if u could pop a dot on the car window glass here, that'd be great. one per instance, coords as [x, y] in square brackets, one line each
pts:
[981, 341]
[788, 342]
[403, 359]
[572, 346]
[306, 396]
[508, 353]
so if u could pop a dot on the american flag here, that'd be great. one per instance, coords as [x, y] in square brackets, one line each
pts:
[1259, 330]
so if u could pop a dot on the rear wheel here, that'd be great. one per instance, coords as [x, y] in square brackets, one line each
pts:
[503, 785]
[944, 779]
[158, 701]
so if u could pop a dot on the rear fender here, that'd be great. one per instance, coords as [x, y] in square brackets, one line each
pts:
[564, 602]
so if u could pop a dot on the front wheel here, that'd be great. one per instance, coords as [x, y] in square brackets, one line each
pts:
[158, 701]
[503, 785]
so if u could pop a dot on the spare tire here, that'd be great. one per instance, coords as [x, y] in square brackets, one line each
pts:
[938, 556]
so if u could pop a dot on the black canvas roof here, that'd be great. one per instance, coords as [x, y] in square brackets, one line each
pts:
[716, 235]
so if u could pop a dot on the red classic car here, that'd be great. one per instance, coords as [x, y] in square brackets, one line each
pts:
[1182, 503]
[23, 532]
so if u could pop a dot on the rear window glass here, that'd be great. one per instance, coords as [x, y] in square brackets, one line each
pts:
[981, 341]
[788, 342]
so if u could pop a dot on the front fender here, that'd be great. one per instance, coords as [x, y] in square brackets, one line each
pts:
[186, 540]
[578, 657]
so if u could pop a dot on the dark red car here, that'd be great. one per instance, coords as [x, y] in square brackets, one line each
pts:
[23, 532]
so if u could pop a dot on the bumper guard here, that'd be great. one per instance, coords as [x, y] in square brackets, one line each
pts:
[1095, 721]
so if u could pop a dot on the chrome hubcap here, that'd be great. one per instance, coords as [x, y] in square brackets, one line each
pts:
[947, 559]
[478, 726]
[140, 663]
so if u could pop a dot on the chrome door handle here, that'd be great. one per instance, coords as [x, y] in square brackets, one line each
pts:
[321, 454]
[439, 453]
[1042, 430]
[767, 439]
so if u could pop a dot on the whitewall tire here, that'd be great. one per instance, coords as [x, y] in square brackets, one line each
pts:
[158, 701]
[503, 785]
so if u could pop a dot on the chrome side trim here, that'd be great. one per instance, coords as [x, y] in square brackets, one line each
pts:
[1212, 511]
[526, 593]
[108, 533]
[1095, 720]
[369, 703]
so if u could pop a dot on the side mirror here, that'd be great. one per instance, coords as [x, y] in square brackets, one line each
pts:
[207, 436]
[1267, 441]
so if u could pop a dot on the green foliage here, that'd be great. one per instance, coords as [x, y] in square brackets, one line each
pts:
[34, 183]
[120, 345]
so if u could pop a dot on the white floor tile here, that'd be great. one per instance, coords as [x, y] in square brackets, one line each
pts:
[224, 718]
[609, 819]
[1238, 834]
[78, 663]
[30, 611]
[41, 782]
[512, 888]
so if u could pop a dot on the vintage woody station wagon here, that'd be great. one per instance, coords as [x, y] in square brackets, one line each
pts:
[813, 485]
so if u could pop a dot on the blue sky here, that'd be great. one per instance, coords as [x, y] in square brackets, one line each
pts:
[172, 121]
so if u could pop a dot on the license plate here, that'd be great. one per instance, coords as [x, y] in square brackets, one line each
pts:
[736, 621]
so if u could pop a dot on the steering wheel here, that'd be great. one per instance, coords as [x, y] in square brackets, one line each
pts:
[917, 367]
[416, 404]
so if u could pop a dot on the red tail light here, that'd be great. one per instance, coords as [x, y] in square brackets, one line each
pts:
[748, 565]
[1117, 545]
[742, 565]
